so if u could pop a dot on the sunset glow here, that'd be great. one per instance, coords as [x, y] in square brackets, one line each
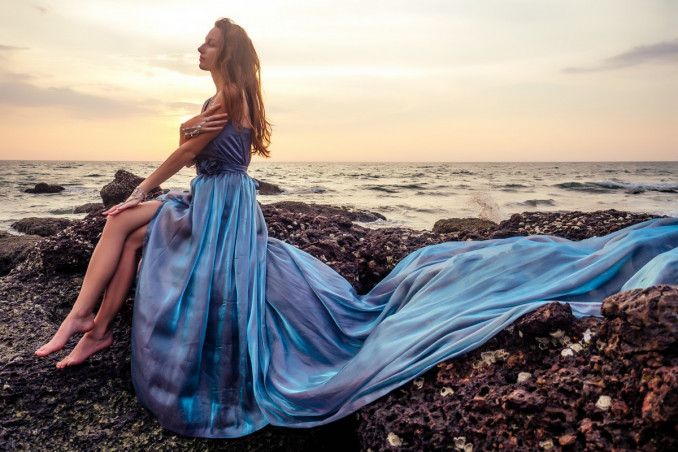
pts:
[350, 81]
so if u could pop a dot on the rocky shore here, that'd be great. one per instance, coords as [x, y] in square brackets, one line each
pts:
[549, 382]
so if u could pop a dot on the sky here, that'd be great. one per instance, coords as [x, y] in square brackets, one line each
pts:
[348, 80]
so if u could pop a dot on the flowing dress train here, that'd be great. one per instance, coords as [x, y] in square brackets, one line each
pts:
[233, 330]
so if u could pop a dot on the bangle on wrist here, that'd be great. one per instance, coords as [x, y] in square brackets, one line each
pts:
[138, 193]
[190, 132]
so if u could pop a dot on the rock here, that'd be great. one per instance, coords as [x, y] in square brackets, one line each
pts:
[14, 249]
[550, 318]
[67, 252]
[524, 400]
[89, 207]
[462, 224]
[569, 225]
[122, 186]
[41, 226]
[364, 216]
[615, 393]
[266, 188]
[45, 188]
[641, 321]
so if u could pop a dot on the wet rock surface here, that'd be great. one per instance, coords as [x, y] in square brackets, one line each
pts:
[325, 210]
[510, 392]
[548, 382]
[41, 226]
[462, 224]
[266, 188]
[90, 207]
[42, 187]
[14, 249]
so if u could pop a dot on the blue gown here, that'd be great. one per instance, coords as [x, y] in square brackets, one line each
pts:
[233, 330]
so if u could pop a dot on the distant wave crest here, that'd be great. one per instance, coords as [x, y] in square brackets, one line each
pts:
[608, 185]
[539, 202]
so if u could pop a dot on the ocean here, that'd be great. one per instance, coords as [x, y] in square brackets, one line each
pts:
[412, 195]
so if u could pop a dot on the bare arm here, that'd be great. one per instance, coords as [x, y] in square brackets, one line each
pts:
[184, 155]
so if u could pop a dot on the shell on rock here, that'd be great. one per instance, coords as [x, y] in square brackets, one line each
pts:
[604, 402]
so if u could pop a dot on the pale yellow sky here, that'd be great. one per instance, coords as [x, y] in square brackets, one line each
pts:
[347, 80]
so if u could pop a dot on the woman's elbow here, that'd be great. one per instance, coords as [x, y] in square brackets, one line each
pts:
[191, 149]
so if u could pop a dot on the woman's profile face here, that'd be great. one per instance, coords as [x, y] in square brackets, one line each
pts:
[209, 49]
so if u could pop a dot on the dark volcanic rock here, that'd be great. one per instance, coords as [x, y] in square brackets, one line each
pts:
[569, 225]
[90, 207]
[122, 186]
[68, 251]
[327, 211]
[41, 226]
[266, 188]
[582, 384]
[45, 188]
[14, 249]
[641, 322]
[462, 224]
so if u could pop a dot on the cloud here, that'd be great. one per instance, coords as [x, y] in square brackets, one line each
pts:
[661, 52]
[183, 108]
[14, 77]
[185, 64]
[4, 48]
[19, 93]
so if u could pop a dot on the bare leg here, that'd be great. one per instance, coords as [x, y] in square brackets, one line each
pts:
[101, 335]
[102, 266]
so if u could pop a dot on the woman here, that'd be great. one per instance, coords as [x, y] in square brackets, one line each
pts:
[235, 72]
[232, 330]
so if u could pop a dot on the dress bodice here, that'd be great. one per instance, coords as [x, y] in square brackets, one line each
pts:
[228, 151]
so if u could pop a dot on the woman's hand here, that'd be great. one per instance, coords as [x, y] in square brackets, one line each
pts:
[116, 209]
[134, 199]
[205, 122]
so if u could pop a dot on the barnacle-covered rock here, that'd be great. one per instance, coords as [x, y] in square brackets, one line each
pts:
[41, 226]
[622, 395]
[14, 249]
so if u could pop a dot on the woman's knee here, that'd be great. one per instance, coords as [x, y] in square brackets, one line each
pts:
[118, 224]
[128, 221]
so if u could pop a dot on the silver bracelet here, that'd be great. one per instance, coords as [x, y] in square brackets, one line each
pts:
[138, 193]
[190, 132]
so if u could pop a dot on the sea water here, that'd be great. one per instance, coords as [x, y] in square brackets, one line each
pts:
[412, 195]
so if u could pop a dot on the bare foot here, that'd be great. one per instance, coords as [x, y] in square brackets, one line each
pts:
[89, 344]
[70, 326]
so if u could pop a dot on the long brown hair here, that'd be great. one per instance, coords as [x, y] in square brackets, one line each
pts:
[239, 65]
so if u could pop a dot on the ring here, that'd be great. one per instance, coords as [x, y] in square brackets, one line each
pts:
[208, 119]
